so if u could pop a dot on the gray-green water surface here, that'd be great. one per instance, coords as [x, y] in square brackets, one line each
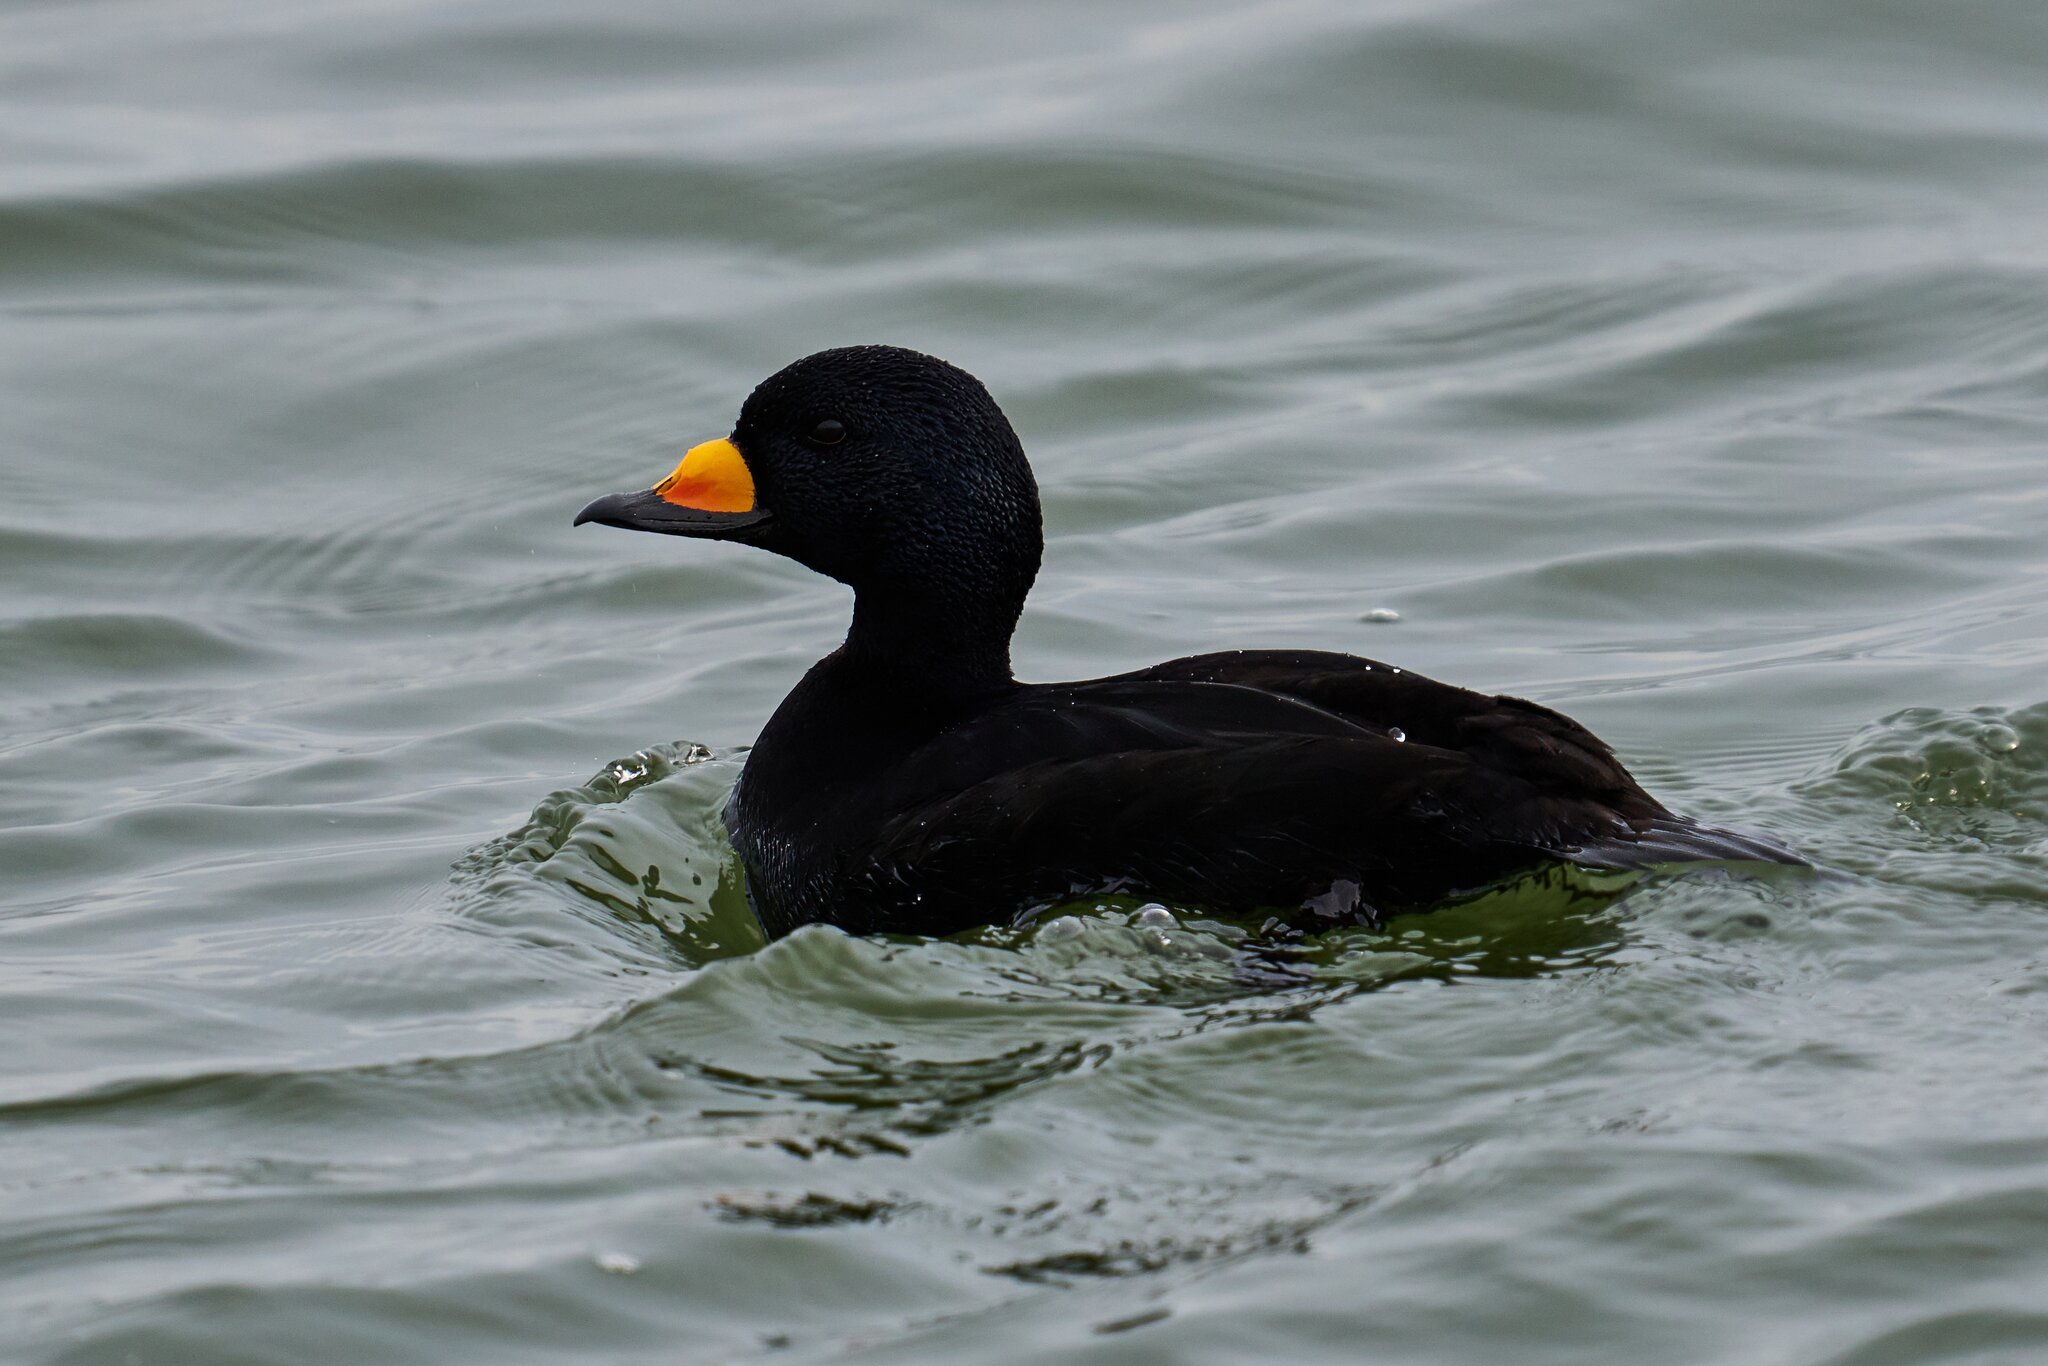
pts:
[1680, 363]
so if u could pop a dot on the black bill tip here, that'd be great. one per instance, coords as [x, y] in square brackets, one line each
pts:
[647, 510]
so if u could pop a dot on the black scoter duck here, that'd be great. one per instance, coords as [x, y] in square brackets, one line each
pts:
[909, 783]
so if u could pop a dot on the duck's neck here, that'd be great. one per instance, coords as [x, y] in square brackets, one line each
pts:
[911, 666]
[925, 649]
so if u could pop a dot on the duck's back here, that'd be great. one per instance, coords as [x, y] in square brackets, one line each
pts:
[1239, 781]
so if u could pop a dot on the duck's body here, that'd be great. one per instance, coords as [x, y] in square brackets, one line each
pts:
[1293, 781]
[910, 784]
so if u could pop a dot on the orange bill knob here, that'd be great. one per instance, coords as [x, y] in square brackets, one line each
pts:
[712, 477]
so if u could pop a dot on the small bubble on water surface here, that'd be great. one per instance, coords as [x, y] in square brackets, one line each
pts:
[1061, 929]
[1396, 734]
[1381, 614]
[1999, 738]
[1154, 916]
[617, 1263]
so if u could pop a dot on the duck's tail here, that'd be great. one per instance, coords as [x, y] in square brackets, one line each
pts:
[1673, 839]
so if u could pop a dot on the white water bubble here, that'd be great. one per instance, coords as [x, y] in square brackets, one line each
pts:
[1061, 929]
[617, 1263]
[1154, 916]
[1381, 615]
[1396, 734]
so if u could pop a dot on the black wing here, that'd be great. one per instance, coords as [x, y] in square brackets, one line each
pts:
[1505, 734]
[1508, 735]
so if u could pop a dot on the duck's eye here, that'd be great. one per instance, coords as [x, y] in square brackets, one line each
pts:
[830, 432]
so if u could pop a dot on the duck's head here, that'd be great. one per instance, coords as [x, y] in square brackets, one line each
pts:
[886, 469]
